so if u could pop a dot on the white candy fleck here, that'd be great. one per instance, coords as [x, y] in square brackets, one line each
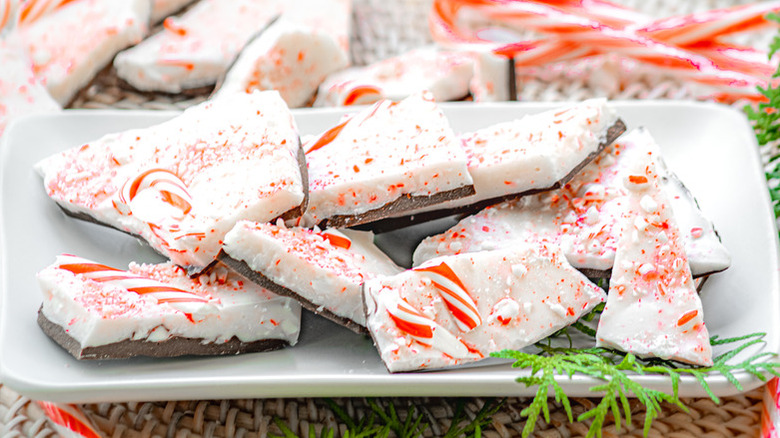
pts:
[519, 270]
[648, 204]
[646, 268]
[592, 216]
[506, 309]
[557, 309]
[677, 264]
[662, 237]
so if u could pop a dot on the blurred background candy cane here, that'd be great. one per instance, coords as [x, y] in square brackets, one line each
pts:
[687, 46]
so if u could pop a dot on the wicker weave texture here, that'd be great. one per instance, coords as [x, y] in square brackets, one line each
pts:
[383, 28]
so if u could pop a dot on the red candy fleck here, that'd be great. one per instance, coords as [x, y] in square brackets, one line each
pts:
[687, 317]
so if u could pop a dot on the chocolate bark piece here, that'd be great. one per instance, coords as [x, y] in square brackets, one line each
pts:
[384, 160]
[243, 268]
[182, 184]
[148, 306]
[172, 347]
[392, 223]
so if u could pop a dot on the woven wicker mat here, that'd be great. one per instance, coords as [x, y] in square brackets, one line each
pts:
[383, 28]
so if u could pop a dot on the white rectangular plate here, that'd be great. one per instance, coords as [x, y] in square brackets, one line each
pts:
[710, 147]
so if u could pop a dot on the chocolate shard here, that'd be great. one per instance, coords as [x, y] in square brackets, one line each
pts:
[172, 347]
[242, 268]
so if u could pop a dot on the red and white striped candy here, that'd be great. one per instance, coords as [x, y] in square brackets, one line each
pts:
[708, 25]
[171, 188]
[423, 329]
[177, 298]
[70, 418]
[454, 293]
[411, 321]
[32, 10]
[7, 14]
[336, 239]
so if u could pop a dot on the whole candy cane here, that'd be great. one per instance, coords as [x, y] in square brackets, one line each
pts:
[177, 298]
[69, 419]
[546, 50]
[582, 31]
[708, 25]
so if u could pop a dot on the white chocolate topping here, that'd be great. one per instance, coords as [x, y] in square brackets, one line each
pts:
[325, 268]
[290, 57]
[380, 154]
[445, 74]
[194, 50]
[95, 311]
[459, 309]
[72, 43]
[583, 217]
[183, 184]
[653, 308]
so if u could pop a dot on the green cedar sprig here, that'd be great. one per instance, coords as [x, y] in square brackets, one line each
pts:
[550, 366]
[766, 123]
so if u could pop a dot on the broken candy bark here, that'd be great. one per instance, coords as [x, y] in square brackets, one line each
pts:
[98, 312]
[324, 270]
[384, 160]
[183, 184]
[653, 308]
[457, 309]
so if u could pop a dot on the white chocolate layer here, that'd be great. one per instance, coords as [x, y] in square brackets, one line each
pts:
[71, 44]
[653, 308]
[292, 58]
[95, 313]
[196, 49]
[583, 217]
[522, 295]
[208, 160]
[20, 92]
[380, 154]
[323, 270]
[445, 74]
[491, 78]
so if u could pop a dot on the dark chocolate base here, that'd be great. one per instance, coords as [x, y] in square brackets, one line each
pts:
[393, 223]
[398, 206]
[173, 347]
[242, 268]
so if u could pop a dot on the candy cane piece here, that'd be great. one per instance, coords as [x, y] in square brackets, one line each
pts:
[171, 188]
[179, 299]
[423, 329]
[362, 94]
[454, 294]
[336, 239]
[69, 417]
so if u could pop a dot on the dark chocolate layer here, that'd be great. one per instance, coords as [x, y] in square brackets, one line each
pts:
[172, 347]
[242, 268]
[398, 206]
